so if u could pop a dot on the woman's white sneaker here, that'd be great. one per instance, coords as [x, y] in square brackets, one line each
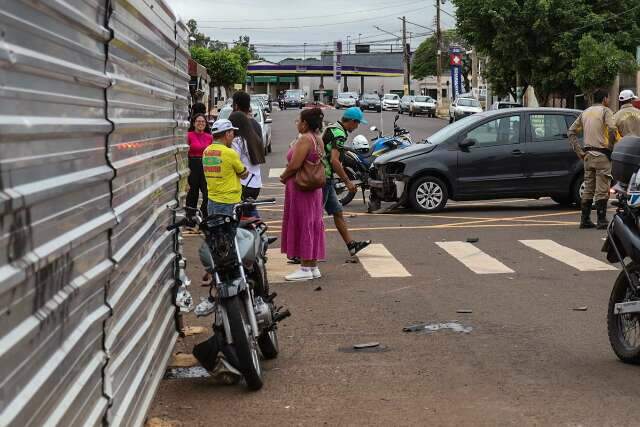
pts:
[316, 273]
[299, 276]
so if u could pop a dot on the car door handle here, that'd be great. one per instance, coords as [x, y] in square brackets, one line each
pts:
[517, 153]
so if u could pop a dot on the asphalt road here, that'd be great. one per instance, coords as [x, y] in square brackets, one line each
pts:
[535, 350]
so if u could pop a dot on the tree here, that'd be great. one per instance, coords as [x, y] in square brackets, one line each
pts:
[225, 67]
[245, 41]
[198, 39]
[537, 40]
[599, 63]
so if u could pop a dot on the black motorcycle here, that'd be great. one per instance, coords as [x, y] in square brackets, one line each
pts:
[245, 324]
[623, 241]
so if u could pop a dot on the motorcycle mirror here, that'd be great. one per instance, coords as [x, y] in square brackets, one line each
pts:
[373, 128]
[397, 116]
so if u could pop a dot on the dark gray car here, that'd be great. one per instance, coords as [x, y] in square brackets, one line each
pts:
[370, 101]
[520, 152]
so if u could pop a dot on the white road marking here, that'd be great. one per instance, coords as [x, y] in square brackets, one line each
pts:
[277, 266]
[472, 257]
[567, 255]
[379, 262]
[275, 172]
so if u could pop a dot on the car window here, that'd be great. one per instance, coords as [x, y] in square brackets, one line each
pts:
[502, 131]
[421, 99]
[468, 102]
[547, 127]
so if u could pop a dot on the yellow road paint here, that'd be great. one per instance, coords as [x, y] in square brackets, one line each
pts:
[277, 266]
[275, 172]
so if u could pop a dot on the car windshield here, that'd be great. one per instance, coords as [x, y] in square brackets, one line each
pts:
[225, 113]
[422, 99]
[347, 95]
[448, 131]
[392, 97]
[468, 102]
[370, 97]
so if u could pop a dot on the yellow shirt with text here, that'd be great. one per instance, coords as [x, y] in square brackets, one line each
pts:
[222, 167]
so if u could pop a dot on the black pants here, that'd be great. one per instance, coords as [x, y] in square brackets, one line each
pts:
[197, 183]
[250, 193]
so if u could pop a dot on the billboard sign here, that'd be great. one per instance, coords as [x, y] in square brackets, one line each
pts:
[337, 62]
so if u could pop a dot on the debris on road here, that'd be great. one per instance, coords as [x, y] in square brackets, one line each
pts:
[433, 327]
[582, 308]
[473, 239]
[319, 288]
[352, 260]
[366, 345]
[183, 373]
[189, 331]
[183, 360]
[464, 311]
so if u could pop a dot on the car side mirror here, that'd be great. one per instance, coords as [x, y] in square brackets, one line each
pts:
[467, 142]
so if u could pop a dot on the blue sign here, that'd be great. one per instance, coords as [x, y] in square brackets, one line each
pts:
[455, 61]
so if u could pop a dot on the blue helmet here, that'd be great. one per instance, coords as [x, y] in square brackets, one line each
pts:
[356, 114]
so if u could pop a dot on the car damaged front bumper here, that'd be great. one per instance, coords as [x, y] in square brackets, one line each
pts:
[388, 187]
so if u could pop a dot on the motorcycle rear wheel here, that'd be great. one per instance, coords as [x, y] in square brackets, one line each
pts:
[244, 343]
[624, 329]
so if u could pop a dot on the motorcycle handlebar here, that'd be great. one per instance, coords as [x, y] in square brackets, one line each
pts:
[178, 224]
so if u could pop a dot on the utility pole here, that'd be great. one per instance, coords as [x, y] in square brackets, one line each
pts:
[348, 45]
[439, 53]
[305, 52]
[405, 57]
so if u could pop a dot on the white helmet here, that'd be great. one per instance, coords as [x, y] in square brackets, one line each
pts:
[360, 143]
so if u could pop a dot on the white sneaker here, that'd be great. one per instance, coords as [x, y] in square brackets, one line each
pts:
[299, 276]
[316, 273]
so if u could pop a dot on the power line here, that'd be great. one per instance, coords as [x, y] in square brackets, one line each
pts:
[313, 17]
[279, 28]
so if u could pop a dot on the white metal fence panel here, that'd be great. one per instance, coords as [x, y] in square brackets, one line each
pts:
[93, 109]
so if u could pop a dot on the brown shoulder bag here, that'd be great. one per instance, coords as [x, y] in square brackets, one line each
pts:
[311, 175]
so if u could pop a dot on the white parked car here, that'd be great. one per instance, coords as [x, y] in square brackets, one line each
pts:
[422, 105]
[346, 100]
[390, 101]
[463, 107]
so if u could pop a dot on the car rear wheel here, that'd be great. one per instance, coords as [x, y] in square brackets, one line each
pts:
[428, 194]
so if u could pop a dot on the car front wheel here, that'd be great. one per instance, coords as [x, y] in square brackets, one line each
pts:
[428, 194]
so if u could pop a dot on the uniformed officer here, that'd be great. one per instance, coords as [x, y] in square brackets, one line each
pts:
[628, 117]
[599, 129]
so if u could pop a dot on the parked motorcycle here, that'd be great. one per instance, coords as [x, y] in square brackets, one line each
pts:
[359, 156]
[245, 315]
[623, 241]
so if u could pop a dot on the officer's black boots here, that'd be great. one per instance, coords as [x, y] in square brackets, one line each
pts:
[601, 208]
[585, 219]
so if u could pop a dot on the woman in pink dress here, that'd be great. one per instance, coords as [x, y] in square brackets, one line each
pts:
[302, 224]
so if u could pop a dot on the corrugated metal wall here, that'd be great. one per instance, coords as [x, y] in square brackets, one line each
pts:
[92, 118]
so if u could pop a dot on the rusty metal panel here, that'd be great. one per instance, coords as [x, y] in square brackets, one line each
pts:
[147, 104]
[55, 212]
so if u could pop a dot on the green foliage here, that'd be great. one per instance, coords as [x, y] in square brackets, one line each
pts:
[599, 63]
[538, 39]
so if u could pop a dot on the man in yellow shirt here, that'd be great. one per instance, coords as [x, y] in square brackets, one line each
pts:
[223, 170]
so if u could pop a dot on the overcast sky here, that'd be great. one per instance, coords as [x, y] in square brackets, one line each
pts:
[295, 22]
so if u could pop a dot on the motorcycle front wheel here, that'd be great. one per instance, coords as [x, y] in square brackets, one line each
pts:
[624, 329]
[344, 195]
[244, 342]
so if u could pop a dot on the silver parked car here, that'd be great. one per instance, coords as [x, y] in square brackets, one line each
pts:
[405, 103]
[263, 119]
[346, 100]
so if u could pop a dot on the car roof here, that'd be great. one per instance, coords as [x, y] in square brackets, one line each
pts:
[527, 110]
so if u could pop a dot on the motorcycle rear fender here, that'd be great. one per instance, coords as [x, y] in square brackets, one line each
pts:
[623, 238]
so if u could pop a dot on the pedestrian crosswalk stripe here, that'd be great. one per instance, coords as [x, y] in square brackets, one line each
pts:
[277, 266]
[379, 262]
[567, 255]
[474, 259]
[275, 172]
